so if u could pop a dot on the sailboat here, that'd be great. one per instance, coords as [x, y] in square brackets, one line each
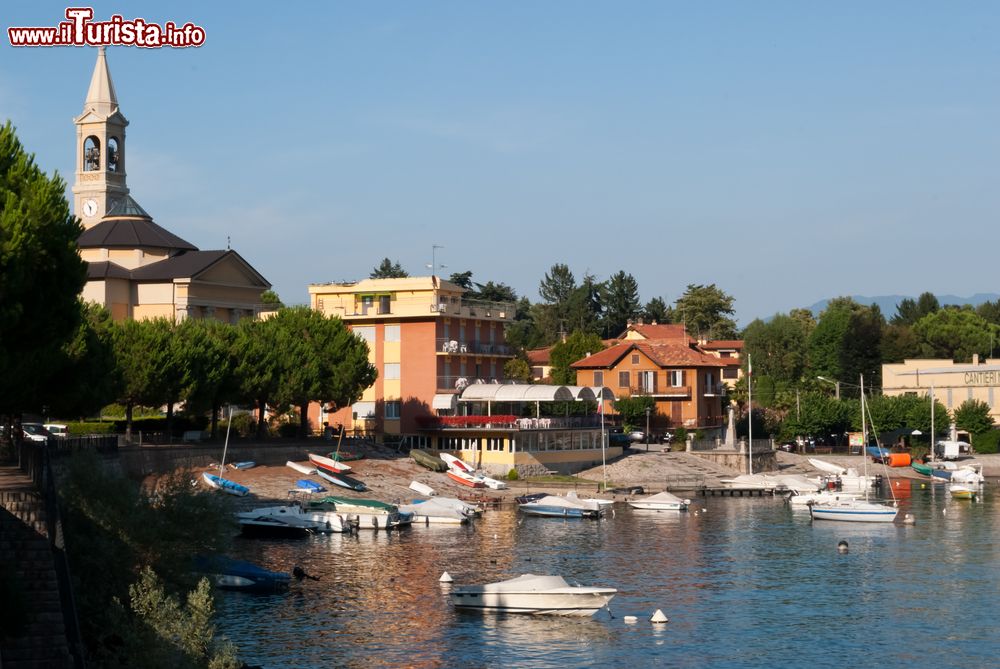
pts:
[856, 510]
[217, 481]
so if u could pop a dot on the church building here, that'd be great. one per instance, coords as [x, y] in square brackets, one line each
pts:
[135, 268]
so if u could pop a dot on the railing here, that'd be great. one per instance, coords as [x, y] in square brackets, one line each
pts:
[507, 422]
[459, 347]
[476, 309]
[668, 391]
[714, 391]
[455, 382]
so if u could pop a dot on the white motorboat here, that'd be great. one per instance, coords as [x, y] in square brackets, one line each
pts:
[804, 499]
[536, 595]
[827, 467]
[562, 507]
[748, 482]
[363, 513]
[467, 509]
[430, 512]
[288, 520]
[462, 472]
[663, 501]
[971, 474]
[302, 469]
[963, 491]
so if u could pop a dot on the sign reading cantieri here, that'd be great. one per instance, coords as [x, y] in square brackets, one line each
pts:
[971, 375]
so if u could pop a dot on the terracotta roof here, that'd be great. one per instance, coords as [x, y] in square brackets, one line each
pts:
[673, 331]
[724, 343]
[131, 233]
[663, 352]
[539, 356]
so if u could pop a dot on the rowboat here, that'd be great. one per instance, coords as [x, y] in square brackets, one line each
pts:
[342, 480]
[922, 468]
[428, 460]
[248, 464]
[225, 485]
[963, 491]
[302, 469]
[422, 488]
[323, 463]
[536, 595]
[456, 463]
[465, 478]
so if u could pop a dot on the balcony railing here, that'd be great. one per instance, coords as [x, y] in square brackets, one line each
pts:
[715, 391]
[656, 391]
[459, 347]
[503, 311]
[457, 382]
[507, 422]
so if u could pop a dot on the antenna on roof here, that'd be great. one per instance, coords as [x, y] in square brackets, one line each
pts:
[227, 243]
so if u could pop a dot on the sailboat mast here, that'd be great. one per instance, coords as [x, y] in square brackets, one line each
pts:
[229, 424]
[932, 423]
[750, 411]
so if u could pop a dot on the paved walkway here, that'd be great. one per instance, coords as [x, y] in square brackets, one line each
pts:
[13, 479]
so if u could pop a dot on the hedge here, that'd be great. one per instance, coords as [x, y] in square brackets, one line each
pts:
[986, 442]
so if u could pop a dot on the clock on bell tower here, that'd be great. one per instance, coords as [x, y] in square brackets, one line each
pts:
[100, 149]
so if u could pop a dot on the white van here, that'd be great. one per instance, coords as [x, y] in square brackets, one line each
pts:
[57, 429]
[951, 450]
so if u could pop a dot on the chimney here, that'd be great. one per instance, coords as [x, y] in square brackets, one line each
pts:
[975, 358]
[638, 321]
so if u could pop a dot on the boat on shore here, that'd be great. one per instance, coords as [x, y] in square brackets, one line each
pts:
[662, 501]
[422, 488]
[465, 478]
[309, 486]
[225, 485]
[323, 463]
[345, 456]
[456, 463]
[534, 595]
[342, 480]
[302, 469]
[428, 460]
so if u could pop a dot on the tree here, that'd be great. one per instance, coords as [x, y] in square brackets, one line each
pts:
[910, 311]
[576, 347]
[270, 299]
[779, 348]
[990, 312]
[633, 410]
[899, 343]
[558, 285]
[496, 292]
[42, 275]
[257, 347]
[818, 415]
[517, 369]
[657, 311]
[209, 376]
[388, 270]
[147, 363]
[87, 378]
[706, 311]
[954, 334]
[463, 279]
[621, 302]
[974, 415]
[846, 342]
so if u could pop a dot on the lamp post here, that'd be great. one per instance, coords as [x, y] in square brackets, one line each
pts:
[834, 382]
[647, 429]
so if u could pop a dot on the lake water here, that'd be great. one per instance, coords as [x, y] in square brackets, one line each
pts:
[746, 583]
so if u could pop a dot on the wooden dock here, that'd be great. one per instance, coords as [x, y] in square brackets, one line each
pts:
[725, 491]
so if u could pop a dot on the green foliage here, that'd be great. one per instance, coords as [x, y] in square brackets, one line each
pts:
[512, 475]
[517, 369]
[633, 410]
[894, 412]
[270, 299]
[42, 275]
[706, 311]
[974, 416]
[84, 381]
[388, 270]
[621, 302]
[846, 343]
[243, 425]
[657, 311]
[82, 428]
[495, 292]
[990, 312]
[818, 414]
[779, 348]
[899, 343]
[680, 435]
[955, 334]
[576, 347]
[114, 531]
[558, 285]
[908, 312]
[986, 442]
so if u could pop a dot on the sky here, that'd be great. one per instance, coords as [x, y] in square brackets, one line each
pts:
[785, 151]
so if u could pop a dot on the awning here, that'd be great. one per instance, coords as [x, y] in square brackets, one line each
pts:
[445, 402]
[516, 392]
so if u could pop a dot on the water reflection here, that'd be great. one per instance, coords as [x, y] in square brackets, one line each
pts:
[748, 583]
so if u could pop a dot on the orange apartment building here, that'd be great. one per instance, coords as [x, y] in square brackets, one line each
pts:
[426, 341]
[663, 362]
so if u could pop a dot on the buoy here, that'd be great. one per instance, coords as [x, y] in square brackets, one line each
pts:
[631, 619]
[445, 578]
[923, 485]
[908, 519]
[704, 510]
[658, 617]
[944, 512]
[842, 546]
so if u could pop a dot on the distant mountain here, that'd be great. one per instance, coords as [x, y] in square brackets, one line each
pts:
[887, 303]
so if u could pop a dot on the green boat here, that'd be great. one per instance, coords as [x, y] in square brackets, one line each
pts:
[345, 456]
[353, 502]
[428, 460]
[921, 468]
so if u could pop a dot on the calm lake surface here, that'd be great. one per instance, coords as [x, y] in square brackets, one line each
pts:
[746, 583]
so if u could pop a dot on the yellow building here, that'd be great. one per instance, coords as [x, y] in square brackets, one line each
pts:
[136, 268]
[952, 383]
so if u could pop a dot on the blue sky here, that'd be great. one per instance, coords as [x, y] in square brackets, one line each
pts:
[785, 151]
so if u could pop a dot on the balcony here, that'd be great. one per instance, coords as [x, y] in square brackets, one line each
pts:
[715, 391]
[507, 422]
[458, 347]
[460, 381]
[499, 311]
[653, 391]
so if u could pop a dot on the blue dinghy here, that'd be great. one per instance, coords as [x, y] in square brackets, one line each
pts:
[225, 485]
[230, 574]
[311, 486]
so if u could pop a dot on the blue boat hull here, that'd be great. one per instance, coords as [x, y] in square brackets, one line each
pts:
[306, 484]
[551, 511]
[229, 574]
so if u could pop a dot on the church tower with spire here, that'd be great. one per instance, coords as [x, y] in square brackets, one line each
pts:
[100, 149]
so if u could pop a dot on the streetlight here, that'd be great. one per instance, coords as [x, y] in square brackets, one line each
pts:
[834, 382]
[647, 429]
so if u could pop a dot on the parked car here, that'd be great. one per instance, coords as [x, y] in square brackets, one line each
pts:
[35, 432]
[637, 436]
[57, 429]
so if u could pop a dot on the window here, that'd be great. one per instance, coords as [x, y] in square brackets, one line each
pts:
[367, 301]
[366, 332]
[646, 381]
[635, 358]
[709, 381]
[363, 409]
[730, 373]
[725, 354]
[598, 378]
[676, 378]
[392, 410]
[383, 303]
[623, 380]
[392, 333]
[391, 371]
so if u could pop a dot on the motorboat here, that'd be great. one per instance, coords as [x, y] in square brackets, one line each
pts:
[794, 483]
[853, 509]
[431, 511]
[466, 474]
[302, 469]
[492, 483]
[282, 521]
[535, 595]
[229, 574]
[465, 478]
[554, 506]
[322, 463]
[363, 513]
[662, 501]
[748, 482]
[971, 474]
[225, 485]
[456, 463]
[342, 480]
[804, 499]
[963, 491]
[827, 467]
[851, 481]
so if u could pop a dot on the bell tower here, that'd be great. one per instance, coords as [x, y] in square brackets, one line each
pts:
[100, 149]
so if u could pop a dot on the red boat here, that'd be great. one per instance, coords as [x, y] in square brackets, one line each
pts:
[465, 479]
[328, 464]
